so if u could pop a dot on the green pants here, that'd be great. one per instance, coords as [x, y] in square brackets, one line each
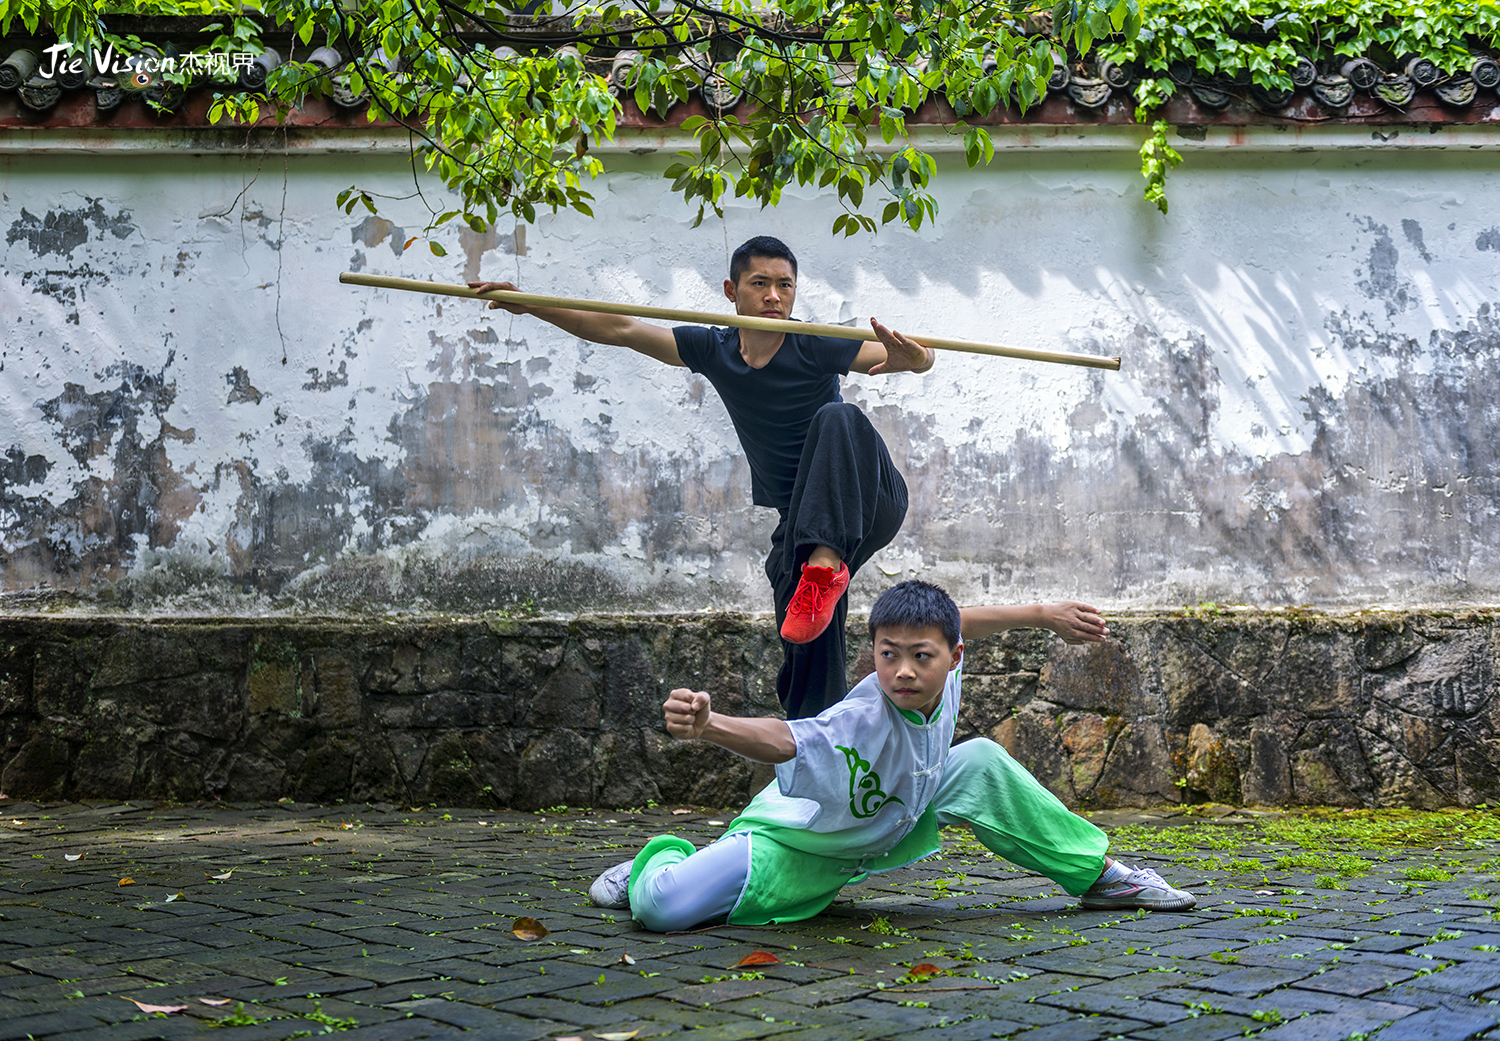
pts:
[982, 787]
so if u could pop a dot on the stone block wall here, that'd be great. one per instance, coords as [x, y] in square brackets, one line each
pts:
[1262, 708]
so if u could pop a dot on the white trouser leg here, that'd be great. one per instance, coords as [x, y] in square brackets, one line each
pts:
[689, 890]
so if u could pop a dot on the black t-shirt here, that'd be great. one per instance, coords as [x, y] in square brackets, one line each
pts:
[773, 406]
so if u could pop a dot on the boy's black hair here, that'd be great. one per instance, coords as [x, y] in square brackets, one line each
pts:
[915, 604]
[760, 246]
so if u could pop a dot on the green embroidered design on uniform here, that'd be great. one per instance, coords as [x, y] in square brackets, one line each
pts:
[865, 795]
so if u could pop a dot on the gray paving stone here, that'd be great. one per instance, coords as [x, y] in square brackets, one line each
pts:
[711, 994]
[429, 949]
[622, 988]
[345, 985]
[420, 1030]
[766, 1005]
[376, 970]
[1209, 1027]
[888, 1012]
[1322, 1026]
[1358, 979]
[169, 1028]
[1256, 979]
[827, 992]
[1468, 979]
[670, 1012]
[46, 1024]
[461, 1014]
[1092, 1028]
[1441, 1025]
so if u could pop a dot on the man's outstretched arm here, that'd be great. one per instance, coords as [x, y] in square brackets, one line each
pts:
[1074, 622]
[690, 715]
[654, 341]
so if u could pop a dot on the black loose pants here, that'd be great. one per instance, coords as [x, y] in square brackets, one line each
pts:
[849, 497]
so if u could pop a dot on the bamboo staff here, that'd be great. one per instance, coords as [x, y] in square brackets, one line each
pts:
[672, 314]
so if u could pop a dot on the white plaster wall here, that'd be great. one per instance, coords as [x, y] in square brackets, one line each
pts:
[196, 409]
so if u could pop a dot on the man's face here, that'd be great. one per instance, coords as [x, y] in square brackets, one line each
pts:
[766, 289]
[913, 664]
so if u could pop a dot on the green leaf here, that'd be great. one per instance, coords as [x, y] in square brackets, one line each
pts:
[437, 250]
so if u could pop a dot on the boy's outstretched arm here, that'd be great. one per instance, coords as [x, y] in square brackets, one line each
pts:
[654, 341]
[1074, 622]
[689, 715]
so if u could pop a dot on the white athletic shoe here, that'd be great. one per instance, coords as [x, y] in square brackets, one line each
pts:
[612, 888]
[1140, 888]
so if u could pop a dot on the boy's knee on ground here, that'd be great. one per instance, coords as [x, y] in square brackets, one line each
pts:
[658, 918]
[656, 901]
[678, 887]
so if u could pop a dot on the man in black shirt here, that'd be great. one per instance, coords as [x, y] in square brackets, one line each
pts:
[813, 457]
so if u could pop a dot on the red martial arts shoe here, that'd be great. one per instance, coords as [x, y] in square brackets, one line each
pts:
[811, 609]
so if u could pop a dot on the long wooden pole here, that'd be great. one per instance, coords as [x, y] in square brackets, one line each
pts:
[673, 314]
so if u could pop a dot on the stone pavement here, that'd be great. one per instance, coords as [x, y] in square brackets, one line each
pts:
[291, 920]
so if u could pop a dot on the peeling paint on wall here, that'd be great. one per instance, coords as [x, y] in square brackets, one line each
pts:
[199, 416]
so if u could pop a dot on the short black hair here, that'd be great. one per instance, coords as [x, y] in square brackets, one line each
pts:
[915, 604]
[760, 246]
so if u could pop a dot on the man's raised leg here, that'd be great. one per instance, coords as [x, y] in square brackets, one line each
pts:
[850, 499]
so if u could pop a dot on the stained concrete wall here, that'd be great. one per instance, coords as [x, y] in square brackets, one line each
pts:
[198, 416]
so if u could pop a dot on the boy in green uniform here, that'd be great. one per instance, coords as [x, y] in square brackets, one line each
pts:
[865, 785]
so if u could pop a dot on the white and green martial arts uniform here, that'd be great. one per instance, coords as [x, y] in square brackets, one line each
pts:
[866, 792]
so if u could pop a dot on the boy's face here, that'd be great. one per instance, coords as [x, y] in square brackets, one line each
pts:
[913, 664]
[766, 289]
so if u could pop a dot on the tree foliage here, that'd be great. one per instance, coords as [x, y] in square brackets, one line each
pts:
[507, 103]
[1246, 44]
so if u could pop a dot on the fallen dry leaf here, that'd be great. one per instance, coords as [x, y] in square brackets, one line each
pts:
[529, 928]
[221, 877]
[1264, 892]
[126, 882]
[617, 1036]
[757, 958]
[72, 856]
[626, 959]
[165, 1010]
[679, 813]
[567, 1039]
[925, 969]
[174, 896]
[214, 1001]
